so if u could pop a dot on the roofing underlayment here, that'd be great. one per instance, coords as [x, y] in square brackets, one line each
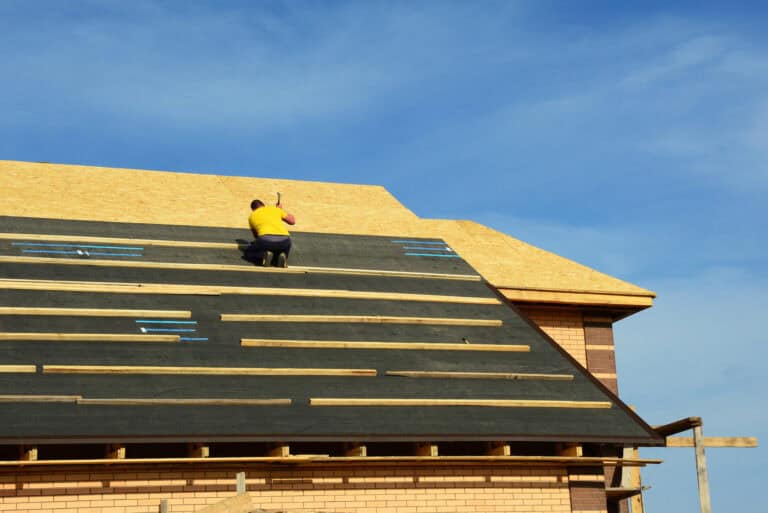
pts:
[161, 331]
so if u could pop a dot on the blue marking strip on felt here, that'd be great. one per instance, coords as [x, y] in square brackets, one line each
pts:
[160, 321]
[433, 255]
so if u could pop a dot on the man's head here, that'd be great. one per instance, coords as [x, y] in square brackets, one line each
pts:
[256, 204]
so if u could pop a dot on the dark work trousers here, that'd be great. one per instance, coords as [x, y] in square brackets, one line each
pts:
[275, 243]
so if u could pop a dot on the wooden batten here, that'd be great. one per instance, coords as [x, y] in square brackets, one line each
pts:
[491, 403]
[86, 337]
[478, 375]
[426, 449]
[95, 312]
[28, 453]
[362, 319]
[181, 402]
[279, 451]
[37, 398]
[499, 449]
[198, 450]
[204, 371]
[355, 450]
[18, 369]
[570, 450]
[380, 345]
[182, 289]
[713, 441]
[115, 452]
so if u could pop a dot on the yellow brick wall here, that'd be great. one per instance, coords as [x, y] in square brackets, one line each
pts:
[564, 325]
[350, 489]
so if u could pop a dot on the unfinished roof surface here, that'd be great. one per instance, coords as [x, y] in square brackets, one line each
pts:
[522, 272]
[163, 331]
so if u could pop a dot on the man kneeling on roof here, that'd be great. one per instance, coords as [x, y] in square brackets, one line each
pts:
[273, 241]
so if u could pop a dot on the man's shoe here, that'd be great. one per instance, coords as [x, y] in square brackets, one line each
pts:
[268, 256]
[282, 260]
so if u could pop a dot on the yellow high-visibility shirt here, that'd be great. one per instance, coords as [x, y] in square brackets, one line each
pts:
[268, 221]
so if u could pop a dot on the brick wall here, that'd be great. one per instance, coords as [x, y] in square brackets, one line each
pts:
[343, 489]
[587, 489]
[601, 354]
[564, 325]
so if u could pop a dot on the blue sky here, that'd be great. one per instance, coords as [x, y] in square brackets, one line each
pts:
[631, 138]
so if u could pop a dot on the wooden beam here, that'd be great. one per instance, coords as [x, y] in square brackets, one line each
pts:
[31, 398]
[701, 470]
[678, 426]
[635, 481]
[366, 319]
[415, 346]
[86, 337]
[394, 274]
[572, 450]
[174, 288]
[181, 402]
[373, 460]
[197, 450]
[495, 403]
[115, 452]
[142, 264]
[480, 375]
[212, 371]
[95, 312]
[76, 239]
[355, 450]
[240, 487]
[499, 449]
[713, 441]
[426, 449]
[18, 369]
[150, 264]
[279, 451]
[28, 453]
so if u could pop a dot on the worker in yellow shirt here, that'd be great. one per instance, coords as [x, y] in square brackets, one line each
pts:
[273, 241]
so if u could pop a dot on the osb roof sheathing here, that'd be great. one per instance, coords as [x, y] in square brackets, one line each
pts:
[126, 195]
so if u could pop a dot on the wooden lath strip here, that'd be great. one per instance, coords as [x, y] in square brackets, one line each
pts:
[203, 371]
[86, 337]
[149, 264]
[172, 288]
[117, 240]
[18, 369]
[480, 375]
[139, 401]
[140, 264]
[494, 403]
[31, 398]
[713, 441]
[415, 346]
[396, 274]
[368, 319]
[95, 312]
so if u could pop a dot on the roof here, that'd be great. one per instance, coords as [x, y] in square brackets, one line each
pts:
[163, 332]
[521, 271]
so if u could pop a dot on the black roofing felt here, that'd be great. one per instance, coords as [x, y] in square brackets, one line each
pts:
[217, 344]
